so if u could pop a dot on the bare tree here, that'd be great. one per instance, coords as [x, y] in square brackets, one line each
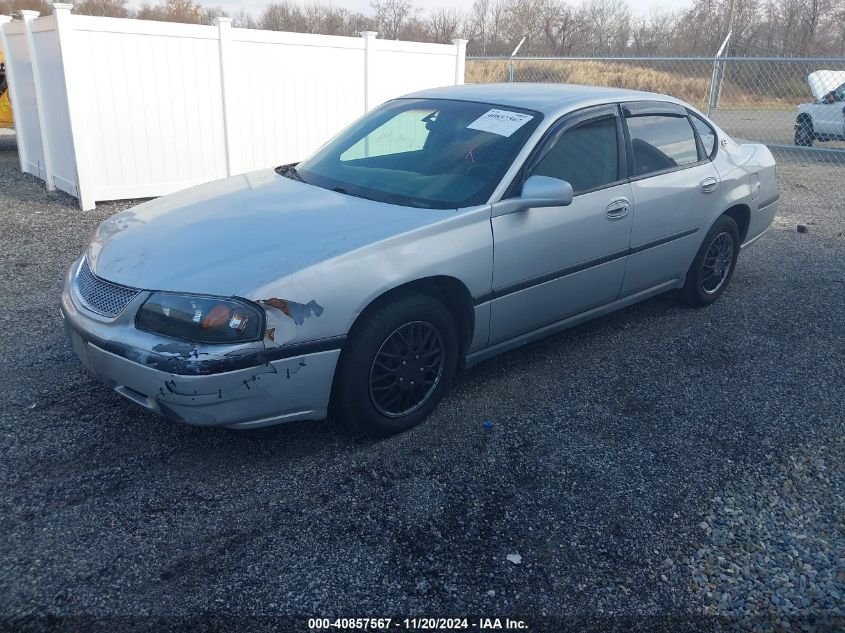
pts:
[358, 22]
[107, 8]
[654, 33]
[553, 27]
[244, 20]
[186, 11]
[332, 20]
[392, 16]
[12, 7]
[485, 25]
[607, 25]
[314, 17]
[521, 18]
[477, 25]
[811, 15]
[560, 28]
[782, 25]
[444, 24]
[282, 16]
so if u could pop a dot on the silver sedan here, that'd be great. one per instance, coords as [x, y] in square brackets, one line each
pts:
[437, 231]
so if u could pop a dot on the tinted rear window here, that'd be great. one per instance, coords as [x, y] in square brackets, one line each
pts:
[661, 142]
[706, 133]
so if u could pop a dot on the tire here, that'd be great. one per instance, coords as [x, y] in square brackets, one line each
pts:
[804, 135]
[714, 264]
[377, 398]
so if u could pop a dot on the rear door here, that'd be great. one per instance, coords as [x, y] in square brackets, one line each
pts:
[673, 181]
[551, 263]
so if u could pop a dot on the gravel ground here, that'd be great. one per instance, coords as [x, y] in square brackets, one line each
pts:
[626, 458]
[766, 543]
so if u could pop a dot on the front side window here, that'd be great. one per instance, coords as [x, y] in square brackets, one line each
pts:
[587, 156]
[431, 153]
[661, 142]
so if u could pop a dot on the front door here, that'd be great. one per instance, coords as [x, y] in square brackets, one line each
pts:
[551, 263]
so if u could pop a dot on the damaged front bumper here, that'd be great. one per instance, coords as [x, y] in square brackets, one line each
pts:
[235, 386]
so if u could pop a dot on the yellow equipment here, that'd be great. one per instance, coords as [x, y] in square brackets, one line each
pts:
[5, 105]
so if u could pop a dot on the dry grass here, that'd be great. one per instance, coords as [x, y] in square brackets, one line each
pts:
[690, 83]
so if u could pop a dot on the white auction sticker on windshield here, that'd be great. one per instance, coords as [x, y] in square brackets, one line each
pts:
[501, 122]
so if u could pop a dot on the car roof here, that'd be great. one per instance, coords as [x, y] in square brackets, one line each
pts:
[545, 98]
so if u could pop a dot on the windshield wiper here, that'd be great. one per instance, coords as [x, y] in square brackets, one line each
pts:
[349, 193]
[388, 198]
[290, 171]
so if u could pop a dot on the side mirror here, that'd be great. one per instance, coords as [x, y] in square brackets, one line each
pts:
[537, 192]
[544, 191]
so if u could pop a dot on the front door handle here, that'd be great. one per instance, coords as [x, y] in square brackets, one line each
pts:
[709, 184]
[618, 209]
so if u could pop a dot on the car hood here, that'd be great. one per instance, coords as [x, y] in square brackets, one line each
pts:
[234, 235]
[823, 81]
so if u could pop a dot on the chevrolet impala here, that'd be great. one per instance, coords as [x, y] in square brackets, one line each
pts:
[438, 230]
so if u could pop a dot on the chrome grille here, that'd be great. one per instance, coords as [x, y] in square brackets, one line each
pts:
[101, 296]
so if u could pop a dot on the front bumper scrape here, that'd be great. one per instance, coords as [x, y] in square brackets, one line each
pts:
[266, 391]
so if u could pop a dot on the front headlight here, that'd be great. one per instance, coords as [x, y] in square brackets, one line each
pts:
[200, 319]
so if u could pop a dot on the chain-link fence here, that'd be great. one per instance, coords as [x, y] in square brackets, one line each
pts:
[796, 106]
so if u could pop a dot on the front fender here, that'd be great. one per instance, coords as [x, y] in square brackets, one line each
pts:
[324, 300]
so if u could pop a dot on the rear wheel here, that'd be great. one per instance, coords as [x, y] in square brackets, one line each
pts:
[396, 366]
[714, 265]
[804, 132]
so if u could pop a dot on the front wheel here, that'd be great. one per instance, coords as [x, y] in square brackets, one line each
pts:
[804, 133]
[396, 366]
[714, 264]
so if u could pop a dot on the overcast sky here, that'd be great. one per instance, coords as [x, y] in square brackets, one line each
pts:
[255, 6]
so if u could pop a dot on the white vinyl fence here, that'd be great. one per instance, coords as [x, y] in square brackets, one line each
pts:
[109, 108]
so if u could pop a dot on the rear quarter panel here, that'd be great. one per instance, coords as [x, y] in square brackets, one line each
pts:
[748, 175]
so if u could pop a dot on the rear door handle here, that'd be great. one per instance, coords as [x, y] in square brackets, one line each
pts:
[709, 184]
[618, 209]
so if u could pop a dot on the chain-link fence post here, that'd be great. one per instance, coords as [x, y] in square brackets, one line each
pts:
[515, 51]
[716, 79]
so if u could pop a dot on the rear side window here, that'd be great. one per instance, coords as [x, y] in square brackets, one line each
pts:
[587, 156]
[661, 142]
[706, 133]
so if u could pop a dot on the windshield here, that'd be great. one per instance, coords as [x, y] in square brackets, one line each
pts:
[432, 153]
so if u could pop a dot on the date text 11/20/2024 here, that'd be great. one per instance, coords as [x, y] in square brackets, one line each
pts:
[416, 624]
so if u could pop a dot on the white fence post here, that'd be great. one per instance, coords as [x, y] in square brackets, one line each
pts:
[76, 102]
[460, 61]
[10, 82]
[224, 32]
[28, 17]
[369, 52]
